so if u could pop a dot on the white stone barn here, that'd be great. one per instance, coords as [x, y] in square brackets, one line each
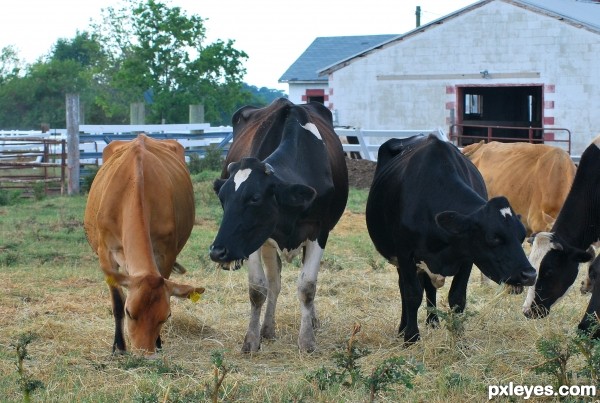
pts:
[508, 63]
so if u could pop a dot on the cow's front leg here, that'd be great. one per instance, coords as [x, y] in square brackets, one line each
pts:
[412, 295]
[257, 289]
[307, 289]
[430, 298]
[272, 264]
[457, 296]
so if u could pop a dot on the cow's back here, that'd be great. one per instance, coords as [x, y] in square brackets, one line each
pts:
[535, 178]
[415, 183]
[142, 190]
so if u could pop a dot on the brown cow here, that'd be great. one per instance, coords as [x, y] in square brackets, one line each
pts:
[139, 215]
[535, 178]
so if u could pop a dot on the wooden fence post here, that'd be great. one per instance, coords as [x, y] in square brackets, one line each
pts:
[72, 108]
[137, 113]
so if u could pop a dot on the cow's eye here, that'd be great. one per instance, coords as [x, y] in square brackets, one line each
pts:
[495, 240]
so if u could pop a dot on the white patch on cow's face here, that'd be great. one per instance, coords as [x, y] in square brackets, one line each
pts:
[542, 244]
[313, 129]
[241, 176]
[597, 141]
[505, 212]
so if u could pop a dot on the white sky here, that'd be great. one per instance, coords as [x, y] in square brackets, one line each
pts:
[273, 33]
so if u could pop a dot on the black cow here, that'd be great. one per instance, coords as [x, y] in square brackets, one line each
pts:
[557, 254]
[285, 186]
[428, 204]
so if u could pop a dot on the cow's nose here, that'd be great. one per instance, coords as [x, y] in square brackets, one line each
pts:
[527, 277]
[218, 253]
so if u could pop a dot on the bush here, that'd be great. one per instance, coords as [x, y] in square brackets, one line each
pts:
[212, 161]
[9, 197]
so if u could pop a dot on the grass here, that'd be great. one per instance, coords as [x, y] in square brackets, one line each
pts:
[51, 287]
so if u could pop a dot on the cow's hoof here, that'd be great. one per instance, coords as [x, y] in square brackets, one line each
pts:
[267, 332]
[307, 347]
[250, 347]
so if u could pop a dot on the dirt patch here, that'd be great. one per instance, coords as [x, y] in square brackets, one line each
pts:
[360, 172]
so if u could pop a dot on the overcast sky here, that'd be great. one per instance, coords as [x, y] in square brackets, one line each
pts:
[272, 32]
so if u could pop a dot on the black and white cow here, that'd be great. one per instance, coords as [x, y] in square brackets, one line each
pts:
[285, 186]
[557, 254]
[428, 204]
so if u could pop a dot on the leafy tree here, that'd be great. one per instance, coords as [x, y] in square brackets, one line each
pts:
[158, 55]
[10, 65]
[39, 95]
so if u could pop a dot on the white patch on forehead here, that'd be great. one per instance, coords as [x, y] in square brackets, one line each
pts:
[542, 244]
[241, 176]
[597, 141]
[505, 211]
[313, 129]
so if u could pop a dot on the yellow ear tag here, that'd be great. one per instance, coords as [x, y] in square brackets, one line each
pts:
[195, 296]
[111, 281]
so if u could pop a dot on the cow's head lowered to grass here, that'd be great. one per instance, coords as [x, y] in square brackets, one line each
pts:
[256, 204]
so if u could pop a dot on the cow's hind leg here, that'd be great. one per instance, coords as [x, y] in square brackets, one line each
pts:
[257, 289]
[272, 264]
[307, 289]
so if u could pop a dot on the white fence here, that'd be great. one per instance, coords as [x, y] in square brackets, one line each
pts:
[370, 140]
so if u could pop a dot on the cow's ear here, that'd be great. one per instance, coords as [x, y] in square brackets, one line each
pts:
[217, 184]
[453, 222]
[115, 278]
[184, 291]
[581, 256]
[295, 196]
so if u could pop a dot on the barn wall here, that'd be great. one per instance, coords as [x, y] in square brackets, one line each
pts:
[498, 37]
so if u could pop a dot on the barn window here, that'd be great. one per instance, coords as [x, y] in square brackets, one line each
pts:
[473, 104]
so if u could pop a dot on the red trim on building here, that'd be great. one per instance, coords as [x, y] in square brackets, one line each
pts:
[450, 105]
[315, 93]
[550, 88]
[450, 89]
[548, 120]
[304, 98]
[548, 136]
[330, 91]
[548, 104]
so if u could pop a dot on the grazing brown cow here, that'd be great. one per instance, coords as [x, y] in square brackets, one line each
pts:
[535, 178]
[139, 215]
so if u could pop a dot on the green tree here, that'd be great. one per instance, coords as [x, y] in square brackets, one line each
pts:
[10, 65]
[158, 55]
[38, 96]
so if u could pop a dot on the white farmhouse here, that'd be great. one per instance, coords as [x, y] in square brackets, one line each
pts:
[495, 63]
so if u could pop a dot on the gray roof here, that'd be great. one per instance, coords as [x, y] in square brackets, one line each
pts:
[582, 13]
[325, 51]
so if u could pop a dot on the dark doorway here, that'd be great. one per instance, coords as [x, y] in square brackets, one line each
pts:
[508, 106]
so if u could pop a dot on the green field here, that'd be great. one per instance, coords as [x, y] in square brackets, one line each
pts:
[53, 300]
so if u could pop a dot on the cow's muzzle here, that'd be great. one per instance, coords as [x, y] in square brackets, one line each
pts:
[525, 278]
[221, 256]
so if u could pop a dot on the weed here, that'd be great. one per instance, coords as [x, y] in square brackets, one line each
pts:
[454, 322]
[391, 371]
[27, 384]
[558, 353]
[9, 197]
[220, 370]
